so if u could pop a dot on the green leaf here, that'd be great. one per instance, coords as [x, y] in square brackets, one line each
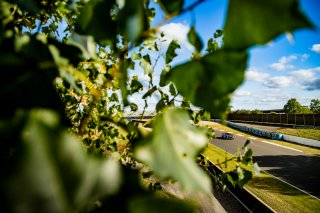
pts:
[247, 158]
[164, 75]
[160, 105]
[170, 6]
[218, 34]
[150, 13]
[150, 92]
[151, 43]
[212, 46]
[194, 39]
[210, 133]
[114, 97]
[171, 148]
[95, 20]
[246, 144]
[29, 5]
[171, 52]
[145, 62]
[27, 82]
[172, 90]
[132, 20]
[135, 85]
[52, 166]
[252, 22]
[239, 176]
[208, 82]
[133, 107]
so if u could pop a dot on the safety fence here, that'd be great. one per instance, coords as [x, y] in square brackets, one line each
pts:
[287, 119]
[258, 132]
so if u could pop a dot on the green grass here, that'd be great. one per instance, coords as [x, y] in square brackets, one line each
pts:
[277, 194]
[302, 132]
[305, 149]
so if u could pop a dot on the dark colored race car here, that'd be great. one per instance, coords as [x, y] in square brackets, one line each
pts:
[227, 136]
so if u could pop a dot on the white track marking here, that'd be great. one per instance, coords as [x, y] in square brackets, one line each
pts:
[277, 177]
[252, 138]
[221, 130]
[240, 135]
[282, 146]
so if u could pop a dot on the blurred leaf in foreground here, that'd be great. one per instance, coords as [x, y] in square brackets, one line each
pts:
[171, 150]
[48, 170]
[208, 82]
[251, 22]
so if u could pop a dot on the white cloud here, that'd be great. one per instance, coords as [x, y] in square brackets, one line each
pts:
[307, 74]
[308, 79]
[176, 31]
[316, 48]
[241, 93]
[279, 82]
[257, 76]
[283, 63]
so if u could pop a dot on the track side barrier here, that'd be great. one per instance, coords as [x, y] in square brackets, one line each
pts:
[258, 132]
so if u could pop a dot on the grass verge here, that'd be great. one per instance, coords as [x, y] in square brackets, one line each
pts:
[301, 132]
[305, 149]
[277, 194]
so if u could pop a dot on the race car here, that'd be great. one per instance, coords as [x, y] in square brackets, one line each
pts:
[228, 136]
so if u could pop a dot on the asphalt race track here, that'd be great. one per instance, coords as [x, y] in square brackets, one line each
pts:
[293, 166]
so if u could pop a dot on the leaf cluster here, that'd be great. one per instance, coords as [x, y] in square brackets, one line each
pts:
[66, 145]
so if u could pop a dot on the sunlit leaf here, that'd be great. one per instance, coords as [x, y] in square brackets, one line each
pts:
[212, 46]
[114, 97]
[247, 158]
[208, 82]
[171, 150]
[251, 22]
[145, 62]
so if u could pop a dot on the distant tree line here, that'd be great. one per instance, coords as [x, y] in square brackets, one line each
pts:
[294, 107]
[291, 107]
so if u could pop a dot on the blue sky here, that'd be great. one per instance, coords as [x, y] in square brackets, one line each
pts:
[287, 67]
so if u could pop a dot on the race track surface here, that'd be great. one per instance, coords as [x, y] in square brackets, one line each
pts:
[293, 166]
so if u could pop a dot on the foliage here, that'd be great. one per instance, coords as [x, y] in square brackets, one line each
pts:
[80, 74]
[246, 111]
[294, 107]
[315, 106]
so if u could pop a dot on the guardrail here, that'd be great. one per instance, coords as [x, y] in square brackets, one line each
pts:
[251, 202]
[258, 132]
[279, 119]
